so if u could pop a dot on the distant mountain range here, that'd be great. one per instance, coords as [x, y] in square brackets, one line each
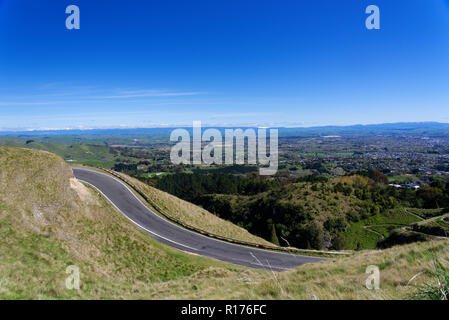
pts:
[424, 128]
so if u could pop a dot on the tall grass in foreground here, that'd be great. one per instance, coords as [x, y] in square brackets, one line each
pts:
[439, 288]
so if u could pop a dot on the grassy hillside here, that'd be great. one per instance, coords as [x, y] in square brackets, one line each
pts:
[403, 271]
[77, 153]
[349, 212]
[313, 215]
[368, 232]
[49, 220]
[95, 155]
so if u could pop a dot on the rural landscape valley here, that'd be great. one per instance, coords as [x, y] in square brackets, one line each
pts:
[380, 207]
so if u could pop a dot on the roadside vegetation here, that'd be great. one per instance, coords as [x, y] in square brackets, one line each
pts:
[438, 289]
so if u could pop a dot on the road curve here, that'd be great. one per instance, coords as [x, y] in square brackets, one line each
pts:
[164, 231]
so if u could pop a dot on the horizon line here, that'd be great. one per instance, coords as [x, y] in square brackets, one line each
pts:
[247, 125]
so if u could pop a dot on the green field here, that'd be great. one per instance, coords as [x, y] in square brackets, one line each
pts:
[88, 154]
[427, 213]
[368, 232]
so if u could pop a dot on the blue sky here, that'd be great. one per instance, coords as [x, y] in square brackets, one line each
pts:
[294, 63]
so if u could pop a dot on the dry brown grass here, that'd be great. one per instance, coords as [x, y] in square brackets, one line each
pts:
[345, 278]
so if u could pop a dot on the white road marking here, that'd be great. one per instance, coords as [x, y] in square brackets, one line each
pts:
[139, 225]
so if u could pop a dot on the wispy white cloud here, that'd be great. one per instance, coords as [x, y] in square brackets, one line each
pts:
[148, 93]
[86, 96]
[27, 103]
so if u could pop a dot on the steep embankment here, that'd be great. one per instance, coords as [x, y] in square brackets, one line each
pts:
[49, 221]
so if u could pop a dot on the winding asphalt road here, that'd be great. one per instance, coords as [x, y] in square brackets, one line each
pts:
[164, 231]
